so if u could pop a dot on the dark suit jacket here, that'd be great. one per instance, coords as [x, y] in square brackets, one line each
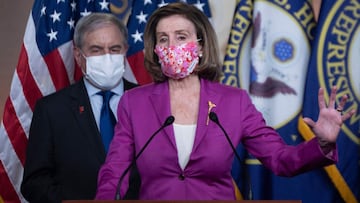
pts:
[65, 150]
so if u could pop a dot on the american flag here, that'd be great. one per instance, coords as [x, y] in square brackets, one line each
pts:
[46, 65]
[141, 11]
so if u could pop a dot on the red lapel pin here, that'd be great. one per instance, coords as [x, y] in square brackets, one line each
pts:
[81, 109]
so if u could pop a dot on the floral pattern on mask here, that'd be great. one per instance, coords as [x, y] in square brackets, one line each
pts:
[178, 61]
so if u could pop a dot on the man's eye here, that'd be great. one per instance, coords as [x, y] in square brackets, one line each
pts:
[117, 50]
[94, 51]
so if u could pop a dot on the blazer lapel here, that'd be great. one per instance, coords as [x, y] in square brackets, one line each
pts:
[160, 100]
[207, 95]
[84, 115]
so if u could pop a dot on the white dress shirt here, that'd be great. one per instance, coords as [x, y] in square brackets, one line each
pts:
[96, 99]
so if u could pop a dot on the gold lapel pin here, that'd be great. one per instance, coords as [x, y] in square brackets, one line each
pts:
[210, 106]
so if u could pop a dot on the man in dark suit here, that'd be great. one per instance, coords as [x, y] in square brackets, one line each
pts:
[66, 148]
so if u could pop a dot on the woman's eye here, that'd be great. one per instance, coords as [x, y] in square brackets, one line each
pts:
[181, 38]
[163, 40]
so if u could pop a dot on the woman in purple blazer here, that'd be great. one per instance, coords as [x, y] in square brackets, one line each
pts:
[190, 158]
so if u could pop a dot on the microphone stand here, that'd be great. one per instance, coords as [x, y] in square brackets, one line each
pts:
[215, 119]
[169, 120]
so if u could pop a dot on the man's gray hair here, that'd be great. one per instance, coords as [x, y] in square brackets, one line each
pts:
[95, 21]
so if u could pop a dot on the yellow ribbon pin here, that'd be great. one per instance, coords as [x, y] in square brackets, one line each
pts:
[210, 106]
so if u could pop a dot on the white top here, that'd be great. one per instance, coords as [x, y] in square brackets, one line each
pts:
[184, 137]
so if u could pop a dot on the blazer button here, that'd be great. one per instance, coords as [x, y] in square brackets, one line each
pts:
[181, 177]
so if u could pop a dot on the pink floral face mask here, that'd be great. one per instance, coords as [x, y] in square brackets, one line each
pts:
[178, 61]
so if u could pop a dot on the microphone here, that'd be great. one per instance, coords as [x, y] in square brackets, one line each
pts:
[169, 120]
[215, 119]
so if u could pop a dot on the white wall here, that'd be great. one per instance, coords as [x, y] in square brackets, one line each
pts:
[13, 17]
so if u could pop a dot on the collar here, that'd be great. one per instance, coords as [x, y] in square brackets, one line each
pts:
[92, 90]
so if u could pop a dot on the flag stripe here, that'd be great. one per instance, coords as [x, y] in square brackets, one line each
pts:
[136, 62]
[7, 190]
[332, 170]
[16, 136]
[38, 68]
[67, 54]
[77, 73]
[31, 92]
[22, 108]
[10, 163]
[129, 75]
[13, 140]
[57, 69]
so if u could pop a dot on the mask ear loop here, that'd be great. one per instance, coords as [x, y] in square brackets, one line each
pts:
[85, 57]
[82, 54]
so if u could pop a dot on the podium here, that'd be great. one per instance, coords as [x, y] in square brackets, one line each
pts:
[176, 201]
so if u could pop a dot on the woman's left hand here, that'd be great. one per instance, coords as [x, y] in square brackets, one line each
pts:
[330, 119]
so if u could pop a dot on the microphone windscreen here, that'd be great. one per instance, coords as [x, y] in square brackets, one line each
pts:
[169, 120]
[213, 117]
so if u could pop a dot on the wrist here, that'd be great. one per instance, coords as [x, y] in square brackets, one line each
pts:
[326, 146]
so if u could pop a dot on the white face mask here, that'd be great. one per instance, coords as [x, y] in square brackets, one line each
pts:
[105, 71]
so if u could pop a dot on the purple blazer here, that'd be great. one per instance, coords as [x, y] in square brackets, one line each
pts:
[207, 175]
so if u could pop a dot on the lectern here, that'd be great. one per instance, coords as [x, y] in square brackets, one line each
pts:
[173, 201]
